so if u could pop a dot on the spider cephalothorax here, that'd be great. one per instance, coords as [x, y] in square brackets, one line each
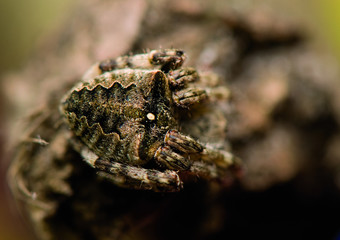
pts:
[124, 113]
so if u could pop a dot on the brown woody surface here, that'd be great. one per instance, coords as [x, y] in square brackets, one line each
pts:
[283, 121]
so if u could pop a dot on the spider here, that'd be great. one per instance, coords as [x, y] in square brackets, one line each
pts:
[124, 118]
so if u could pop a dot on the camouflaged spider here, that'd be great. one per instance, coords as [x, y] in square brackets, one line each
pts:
[124, 114]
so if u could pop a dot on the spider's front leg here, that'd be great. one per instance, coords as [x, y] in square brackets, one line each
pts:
[189, 96]
[183, 95]
[163, 59]
[180, 152]
[186, 93]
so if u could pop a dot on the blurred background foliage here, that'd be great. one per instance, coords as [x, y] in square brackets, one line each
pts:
[24, 24]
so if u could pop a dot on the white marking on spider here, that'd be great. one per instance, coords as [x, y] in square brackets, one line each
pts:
[150, 116]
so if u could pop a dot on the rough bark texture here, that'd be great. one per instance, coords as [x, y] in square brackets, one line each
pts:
[283, 122]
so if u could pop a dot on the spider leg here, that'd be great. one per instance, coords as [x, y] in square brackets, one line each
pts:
[138, 178]
[127, 176]
[179, 78]
[164, 59]
[183, 95]
[189, 96]
[181, 152]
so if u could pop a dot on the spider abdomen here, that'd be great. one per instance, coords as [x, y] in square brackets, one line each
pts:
[121, 114]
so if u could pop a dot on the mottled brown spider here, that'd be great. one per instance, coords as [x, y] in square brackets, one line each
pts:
[124, 112]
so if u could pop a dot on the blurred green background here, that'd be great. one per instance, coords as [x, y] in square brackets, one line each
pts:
[24, 23]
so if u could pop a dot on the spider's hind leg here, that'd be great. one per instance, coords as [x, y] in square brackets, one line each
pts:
[139, 178]
[132, 177]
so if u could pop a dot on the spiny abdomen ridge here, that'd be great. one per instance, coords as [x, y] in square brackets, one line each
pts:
[109, 107]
